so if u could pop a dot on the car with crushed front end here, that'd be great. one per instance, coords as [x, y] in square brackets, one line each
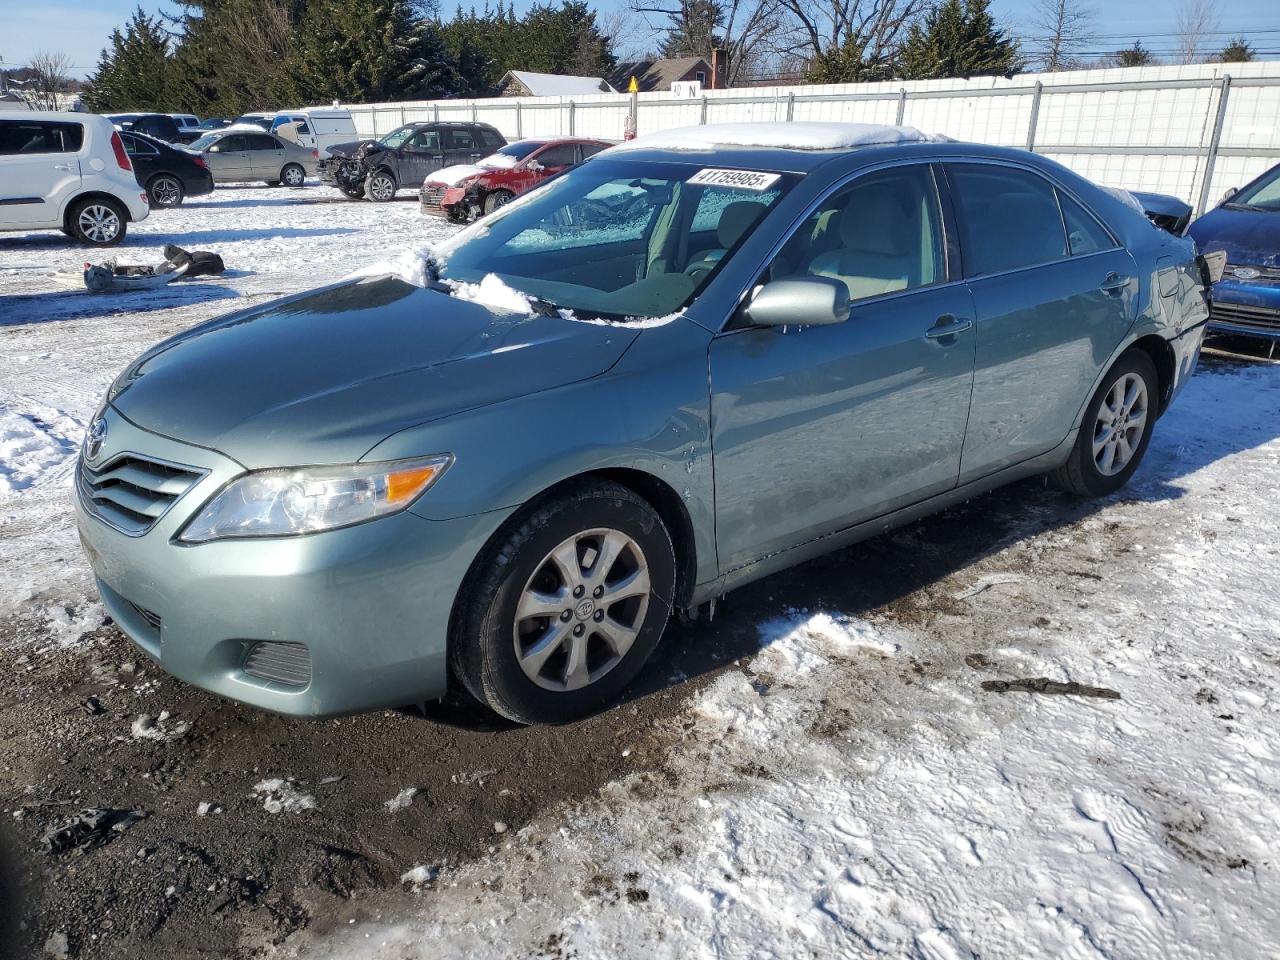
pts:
[468, 191]
[1245, 226]
[700, 358]
[403, 158]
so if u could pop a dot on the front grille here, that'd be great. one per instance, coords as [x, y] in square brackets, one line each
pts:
[1244, 315]
[1259, 273]
[432, 195]
[132, 492]
[288, 663]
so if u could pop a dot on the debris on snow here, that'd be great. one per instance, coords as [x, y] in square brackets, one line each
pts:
[159, 727]
[1045, 685]
[91, 827]
[279, 795]
[401, 800]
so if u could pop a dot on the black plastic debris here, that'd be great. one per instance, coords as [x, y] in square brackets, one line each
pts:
[199, 263]
[1045, 685]
[91, 827]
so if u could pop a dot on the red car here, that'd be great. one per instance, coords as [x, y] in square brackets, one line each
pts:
[471, 190]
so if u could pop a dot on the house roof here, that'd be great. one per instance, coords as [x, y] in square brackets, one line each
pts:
[656, 74]
[556, 85]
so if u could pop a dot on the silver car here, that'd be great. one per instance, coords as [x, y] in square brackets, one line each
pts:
[243, 155]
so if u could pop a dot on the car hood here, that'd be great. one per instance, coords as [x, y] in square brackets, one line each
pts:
[1248, 236]
[354, 148]
[323, 377]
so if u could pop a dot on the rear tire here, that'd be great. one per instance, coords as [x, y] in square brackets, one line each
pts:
[98, 221]
[1115, 431]
[293, 175]
[165, 191]
[497, 200]
[563, 608]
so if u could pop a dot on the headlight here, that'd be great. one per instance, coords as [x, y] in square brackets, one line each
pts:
[289, 501]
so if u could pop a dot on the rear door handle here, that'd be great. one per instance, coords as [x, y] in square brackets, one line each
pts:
[62, 166]
[947, 326]
[1114, 283]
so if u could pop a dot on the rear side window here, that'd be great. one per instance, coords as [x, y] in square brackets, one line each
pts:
[260, 141]
[1084, 233]
[591, 149]
[561, 155]
[1008, 218]
[135, 147]
[39, 136]
[461, 140]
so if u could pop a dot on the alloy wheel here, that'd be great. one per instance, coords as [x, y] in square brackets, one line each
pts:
[293, 176]
[382, 187]
[582, 609]
[99, 223]
[1120, 424]
[166, 192]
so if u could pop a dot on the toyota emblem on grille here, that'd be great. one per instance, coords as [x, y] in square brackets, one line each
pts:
[1247, 273]
[93, 440]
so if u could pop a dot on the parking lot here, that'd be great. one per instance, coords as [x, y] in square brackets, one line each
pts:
[1028, 726]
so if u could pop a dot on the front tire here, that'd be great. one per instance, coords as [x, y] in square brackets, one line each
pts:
[380, 187]
[354, 192]
[165, 191]
[497, 200]
[99, 222]
[561, 612]
[1115, 431]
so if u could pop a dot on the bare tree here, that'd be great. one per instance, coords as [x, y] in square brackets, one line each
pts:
[746, 30]
[628, 33]
[1197, 21]
[1064, 25]
[856, 39]
[48, 70]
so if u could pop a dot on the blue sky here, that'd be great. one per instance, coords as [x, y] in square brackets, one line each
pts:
[81, 28]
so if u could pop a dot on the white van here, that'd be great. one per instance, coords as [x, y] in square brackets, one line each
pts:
[316, 127]
[68, 172]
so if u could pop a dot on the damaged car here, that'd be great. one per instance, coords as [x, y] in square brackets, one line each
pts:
[405, 157]
[703, 357]
[468, 191]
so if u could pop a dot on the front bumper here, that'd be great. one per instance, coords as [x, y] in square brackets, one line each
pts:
[369, 603]
[1246, 308]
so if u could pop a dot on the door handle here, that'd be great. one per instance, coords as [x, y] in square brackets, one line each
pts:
[1114, 283]
[62, 166]
[947, 326]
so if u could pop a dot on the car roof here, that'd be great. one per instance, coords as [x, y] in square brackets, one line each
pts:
[64, 115]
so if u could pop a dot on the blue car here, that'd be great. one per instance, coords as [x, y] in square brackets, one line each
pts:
[1246, 226]
[685, 364]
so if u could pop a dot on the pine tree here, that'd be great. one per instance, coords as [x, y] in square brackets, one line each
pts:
[959, 38]
[694, 29]
[1135, 56]
[133, 71]
[1238, 50]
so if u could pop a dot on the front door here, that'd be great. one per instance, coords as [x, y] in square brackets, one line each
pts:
[1054, 295]
[818, 428]
[39, 171]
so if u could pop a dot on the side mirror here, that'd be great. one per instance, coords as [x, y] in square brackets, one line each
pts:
[215, 149]
[1231, 192]
[798, 301]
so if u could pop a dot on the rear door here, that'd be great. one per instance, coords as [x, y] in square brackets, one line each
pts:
[39, 170]
[144, 156]
[1053, 301]
[819, 428]
[266, 156]
[421, 154]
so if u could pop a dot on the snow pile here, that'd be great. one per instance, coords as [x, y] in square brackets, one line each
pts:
[68, 625]
[788, 136]
[452, 176]
[158, 728]
[409, 265]
[492, 292]
[31, 446]
[282, 796]
[401, 800]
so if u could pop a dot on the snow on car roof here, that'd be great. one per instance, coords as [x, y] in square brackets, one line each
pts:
[780, 136]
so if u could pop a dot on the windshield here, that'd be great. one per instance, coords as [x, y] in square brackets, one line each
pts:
[205, 142]
[616, 238]
[1263, 194]
[397, 136]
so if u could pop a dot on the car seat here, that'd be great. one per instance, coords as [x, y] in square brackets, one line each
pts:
[735, 220]
[876, 253]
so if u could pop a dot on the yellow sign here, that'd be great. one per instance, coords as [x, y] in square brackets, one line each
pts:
[633, 87]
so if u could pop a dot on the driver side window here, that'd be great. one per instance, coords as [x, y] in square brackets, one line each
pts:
[880, 234]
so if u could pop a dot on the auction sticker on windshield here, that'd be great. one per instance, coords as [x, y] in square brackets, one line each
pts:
[742, 179]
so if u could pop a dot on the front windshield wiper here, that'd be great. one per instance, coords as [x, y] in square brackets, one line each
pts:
[1236, 205]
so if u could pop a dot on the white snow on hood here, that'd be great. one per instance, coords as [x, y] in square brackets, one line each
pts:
[492, 292]
[452, 176]
[787, 136]
[410, 265]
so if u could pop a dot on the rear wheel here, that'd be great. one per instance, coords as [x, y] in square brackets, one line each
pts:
[561, 613]
[293, 175]
[165, 190]
[497, 200]
[98, 222]
[380, 187]
[1115, 431]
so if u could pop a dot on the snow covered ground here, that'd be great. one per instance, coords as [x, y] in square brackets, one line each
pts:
[875, 781]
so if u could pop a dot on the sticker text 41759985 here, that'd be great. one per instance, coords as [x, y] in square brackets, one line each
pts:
[741, 179]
